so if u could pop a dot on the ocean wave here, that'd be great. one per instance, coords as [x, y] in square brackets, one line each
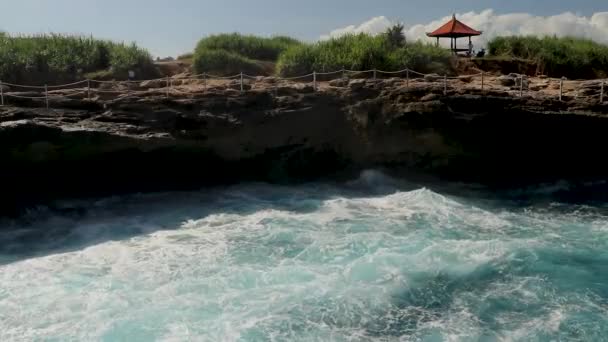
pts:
[371, 260]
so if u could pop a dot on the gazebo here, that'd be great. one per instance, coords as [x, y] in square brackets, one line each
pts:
[455, 29]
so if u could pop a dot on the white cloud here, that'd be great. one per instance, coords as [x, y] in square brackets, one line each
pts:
[373, 26]
[493, 25]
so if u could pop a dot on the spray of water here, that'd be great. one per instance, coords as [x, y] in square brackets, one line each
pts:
[369, 260]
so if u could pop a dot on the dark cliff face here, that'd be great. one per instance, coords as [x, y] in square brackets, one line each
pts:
[151, 144]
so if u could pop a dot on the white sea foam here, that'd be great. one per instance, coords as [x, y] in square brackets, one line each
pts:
[259, 262]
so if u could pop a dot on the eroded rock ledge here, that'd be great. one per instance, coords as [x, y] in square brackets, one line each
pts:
[285, 134]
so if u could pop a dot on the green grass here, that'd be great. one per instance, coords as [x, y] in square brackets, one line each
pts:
[185, 56]
[570, 57]
[232, 53]
[225, 63]
[363, 52]
[57, 58]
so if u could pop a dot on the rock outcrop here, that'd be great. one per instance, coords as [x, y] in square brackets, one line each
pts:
[285, 133]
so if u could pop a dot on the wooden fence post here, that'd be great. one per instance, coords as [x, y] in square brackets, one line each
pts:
[407, 78]
[2, 93]
[601, 92]
[88, 90]
[46, 95]
[521, 86]
[241, 81]
[374, 74]
[445, 84]
[561, 88]
[168, 86]
[314, 80]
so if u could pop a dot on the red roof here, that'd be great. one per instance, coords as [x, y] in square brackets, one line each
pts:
[454, 28]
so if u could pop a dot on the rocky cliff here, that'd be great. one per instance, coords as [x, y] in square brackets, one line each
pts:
[281, 133]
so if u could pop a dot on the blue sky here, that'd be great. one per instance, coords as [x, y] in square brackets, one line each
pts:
[169, 27]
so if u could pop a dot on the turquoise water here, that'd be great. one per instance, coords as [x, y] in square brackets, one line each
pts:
[369, 260]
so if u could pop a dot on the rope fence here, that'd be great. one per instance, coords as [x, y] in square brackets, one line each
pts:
[122, 89]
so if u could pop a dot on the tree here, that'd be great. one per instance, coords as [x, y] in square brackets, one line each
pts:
[395, 35]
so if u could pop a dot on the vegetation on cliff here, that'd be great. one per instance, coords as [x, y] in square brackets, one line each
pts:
[570, 57]
[364, 52]
[229, 54]
[54, 58]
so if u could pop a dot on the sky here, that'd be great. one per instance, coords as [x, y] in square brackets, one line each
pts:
[172, 27]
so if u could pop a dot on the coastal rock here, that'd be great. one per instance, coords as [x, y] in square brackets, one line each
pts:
[538, 86]
[429, 97]
[506, 81]
[236, 85]
[513, 80]
[295, 134]
[267, 79]
[153, 84]
[339, 82]
[357, 84]
[432, 78]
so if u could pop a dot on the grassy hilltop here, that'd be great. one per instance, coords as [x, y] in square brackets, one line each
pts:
[229, 54]
[570, 57]
[54, 58]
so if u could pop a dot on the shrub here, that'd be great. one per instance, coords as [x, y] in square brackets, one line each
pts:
[225, 63]
[253, 47]
[362, 52]
[570, 57]
[185, 56]
[54, 57]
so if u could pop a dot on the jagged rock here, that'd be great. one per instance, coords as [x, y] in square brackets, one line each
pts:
[236, 85]
[389, 82]
[519, 80]
[538, 86]
[268, 80]
[153, 84]
[466, 79]
[304, 88]
[429, 97]
[182, 75]
[594, 84]
[357, 84]
[339, 82]
[432, 78]
[291, 90]
[226, 136]
[506, 81]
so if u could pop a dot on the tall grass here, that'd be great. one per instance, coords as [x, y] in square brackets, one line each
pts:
[570, 57]
[242, 52]
[59, 58]
[253, 47]
[225, 63]
[363, 52]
